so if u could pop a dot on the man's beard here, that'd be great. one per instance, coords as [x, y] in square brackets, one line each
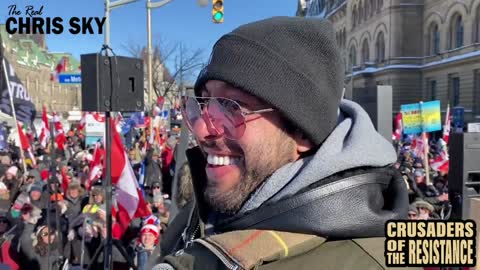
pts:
[277, 153]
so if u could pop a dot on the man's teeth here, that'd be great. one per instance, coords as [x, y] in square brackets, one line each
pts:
[222, 160]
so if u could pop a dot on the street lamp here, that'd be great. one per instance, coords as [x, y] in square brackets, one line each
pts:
[151, 6]
[109, 6]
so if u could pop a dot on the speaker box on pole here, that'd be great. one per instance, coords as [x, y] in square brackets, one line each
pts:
[112, 83]
[464, 172]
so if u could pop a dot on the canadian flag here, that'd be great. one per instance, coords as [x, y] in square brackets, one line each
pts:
[65, 179]
[25, 143]
[418, 146]
[130, 201]
[61, 67]
[397, 135]
[446, 127]
[59, 133]
[99, 117]
[442, 162]
[96, 165]
[45, 132]
[83, 121]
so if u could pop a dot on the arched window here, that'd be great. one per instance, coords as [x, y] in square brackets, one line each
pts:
[373, 7]
[365, 52]
[433, 39]
[477, 26]
[344, 38]
[456, 32]
[353, 56]
[379, 5]
[380, 47]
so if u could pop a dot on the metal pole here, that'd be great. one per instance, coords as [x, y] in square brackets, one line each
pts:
[149, 57]
[108, 198]
[107, 23]
[14, 114]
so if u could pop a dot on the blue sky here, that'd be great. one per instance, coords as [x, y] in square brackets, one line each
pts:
[179, 21]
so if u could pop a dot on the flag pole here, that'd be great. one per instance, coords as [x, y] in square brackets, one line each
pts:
[425, 148]
[22, 155]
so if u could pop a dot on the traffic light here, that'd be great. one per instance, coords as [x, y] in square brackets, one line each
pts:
[217, 11]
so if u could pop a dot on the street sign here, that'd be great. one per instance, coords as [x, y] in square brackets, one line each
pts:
[421, 117]
[70, 78]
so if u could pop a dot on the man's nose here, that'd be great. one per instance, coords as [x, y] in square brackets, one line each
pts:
[203, 127]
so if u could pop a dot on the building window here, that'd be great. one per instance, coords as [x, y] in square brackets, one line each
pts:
[373, 7]
[353, 56]
[477, 26]
[476, 91]
[456, 32]
[365, 52]
[367, 9]
[354, 17]
[433, 89]
[360, 13]
[434, 39]
[454, 90]
[380, 48]
[379, 5]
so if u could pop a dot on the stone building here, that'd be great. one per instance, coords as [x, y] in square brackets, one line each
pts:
[34, 65]
[425, 49]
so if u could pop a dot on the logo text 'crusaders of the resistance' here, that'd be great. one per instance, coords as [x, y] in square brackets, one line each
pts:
[426, 243]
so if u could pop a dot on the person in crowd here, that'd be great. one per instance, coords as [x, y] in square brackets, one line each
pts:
[75, 200]
[425, 210]
[280, 150]
[147, 243]
[167, 158]
[97, 198]
[412, 212]
[153, 167]
[160, 210]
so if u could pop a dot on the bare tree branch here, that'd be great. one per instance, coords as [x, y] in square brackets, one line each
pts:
[185, 61]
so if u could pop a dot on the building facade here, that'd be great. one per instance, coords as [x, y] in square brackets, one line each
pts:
[34, 64]
[425, 49]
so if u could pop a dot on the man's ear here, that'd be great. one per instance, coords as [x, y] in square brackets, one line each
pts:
[303, 143]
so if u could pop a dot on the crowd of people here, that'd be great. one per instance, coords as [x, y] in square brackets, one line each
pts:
[427, 187]
[47, 225]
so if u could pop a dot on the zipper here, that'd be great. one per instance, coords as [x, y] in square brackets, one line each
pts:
[226, 260]
[189, 241]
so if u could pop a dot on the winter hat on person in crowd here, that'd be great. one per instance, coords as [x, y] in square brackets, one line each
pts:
[37, 186]
[75, 185]
[423, 204]
[158, 198]
[292, 63]
[44, 174]
[13, 170]
[419, 172]
[149, 228]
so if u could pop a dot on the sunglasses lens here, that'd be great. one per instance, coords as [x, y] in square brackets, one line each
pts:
[226, 116]
[191, 111]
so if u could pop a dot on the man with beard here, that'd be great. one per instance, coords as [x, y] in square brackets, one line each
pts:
[286, 175]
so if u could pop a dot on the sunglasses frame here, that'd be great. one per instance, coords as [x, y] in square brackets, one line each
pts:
[203, 108]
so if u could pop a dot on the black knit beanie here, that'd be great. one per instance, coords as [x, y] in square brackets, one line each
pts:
[290, 62]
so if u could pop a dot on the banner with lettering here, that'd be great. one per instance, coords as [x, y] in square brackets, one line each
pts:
[24, 107]
[421, 117]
